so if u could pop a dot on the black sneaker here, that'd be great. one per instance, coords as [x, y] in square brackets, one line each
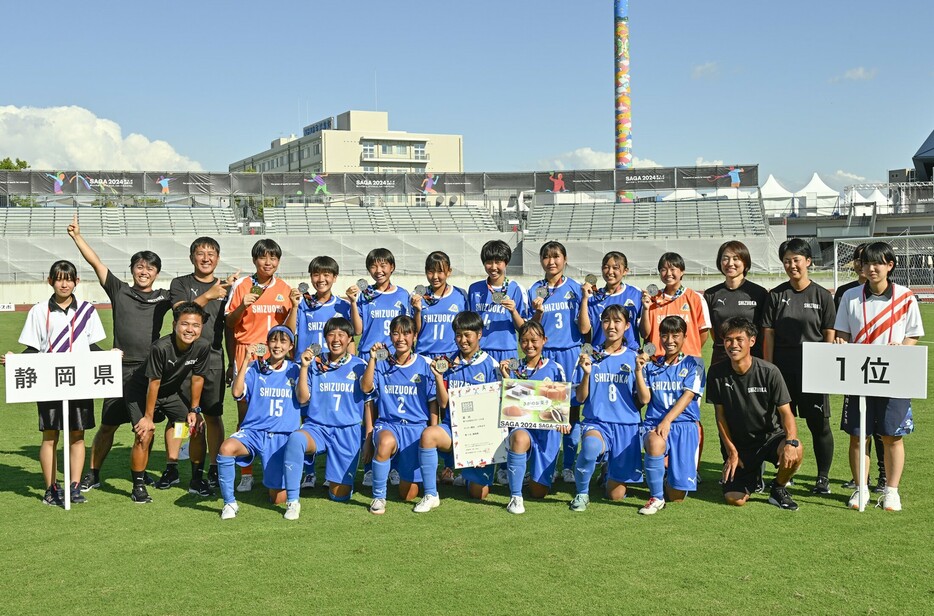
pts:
[880, 485]
[779, 497]
[52, 497]
[200, 487]
[169, 478]
[148, 480]
[821, 486]
[849, 485]
[77, 497]
[140, 495]
[90, 481]
[212, 478]
[760, 486]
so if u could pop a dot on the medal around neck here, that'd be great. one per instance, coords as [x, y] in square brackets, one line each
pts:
[421, 289]
[587, 349]
[652, 289]
[381, 354]
[261, 350]
[512, 363]
[541, 292]
[303, 288]
[649, 349]
[362, 284]
[315, 349]
[498, 297]
[442, 364]
[256, 290]
[590, 279]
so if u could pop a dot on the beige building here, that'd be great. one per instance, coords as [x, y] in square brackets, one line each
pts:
[358, 142]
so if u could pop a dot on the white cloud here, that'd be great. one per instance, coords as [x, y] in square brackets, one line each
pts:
[846, 175]
[588, 158]
[860, 73]
[74, 138]
[700, 161]
[707, 70]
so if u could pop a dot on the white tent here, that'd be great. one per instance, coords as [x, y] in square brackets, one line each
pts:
[861, 204]
[734, 193]
[682, 194]
[777, 200]
[879, 198]
[817, 199]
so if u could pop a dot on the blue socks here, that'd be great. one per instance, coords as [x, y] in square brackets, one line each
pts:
[570, 441]
[447, 458]
[428, 461]
[380, 477]
[225, 478]
[515, 468]
[655, 475]
[591, 448]
[294, 464]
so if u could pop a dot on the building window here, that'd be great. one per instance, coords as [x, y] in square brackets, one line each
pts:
[369, 149]
[419, 151]
[316, 148]
[369, 169]
[420, 200]
[386, 148]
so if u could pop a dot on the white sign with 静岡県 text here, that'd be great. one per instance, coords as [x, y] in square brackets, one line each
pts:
[43, 377]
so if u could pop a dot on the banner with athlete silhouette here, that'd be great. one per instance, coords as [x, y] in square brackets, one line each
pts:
[731, 176]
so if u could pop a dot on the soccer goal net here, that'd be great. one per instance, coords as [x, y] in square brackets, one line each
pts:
[914, 261]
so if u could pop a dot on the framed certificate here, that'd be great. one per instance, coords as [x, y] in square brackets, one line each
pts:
[478, 438]
[538, 405]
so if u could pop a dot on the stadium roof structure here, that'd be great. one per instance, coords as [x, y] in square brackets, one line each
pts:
[924, 160]
[772, 189]
[817, 186]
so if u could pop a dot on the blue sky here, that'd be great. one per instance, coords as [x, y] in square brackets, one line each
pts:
[841, 88]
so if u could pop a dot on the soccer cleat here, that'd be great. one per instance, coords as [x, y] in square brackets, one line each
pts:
[368, 479]
[780, 497]
[447, 475]
[502, 475]
[292, 510]
[428, 502]
[169, 478]
[394, 477]
[230, 511]
[853, 503]
[516, 505]
[309, 480]
[821, 486]
[140, 495]
[90, 481]
[580, 502]
[52, 498]
[880, 485]
[890, 500]
[653, 506]
[849, 485]
[76, 496]
[148, 480]
[246, 483]
[183, 453]
[212, 478]
[378, 506]
[200, 487]
[459, 482]
[567, 475]
[326, 484]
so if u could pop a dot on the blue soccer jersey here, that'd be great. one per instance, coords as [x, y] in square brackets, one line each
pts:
[336, 396]
[668, 383]
[630, 298]
[480, 369]
[403, 392]
[310, 320]
[562, 309]
[378, 312]
[612, 384]
[547, 370]
[436, 336]
[272, 403]
[499, 331]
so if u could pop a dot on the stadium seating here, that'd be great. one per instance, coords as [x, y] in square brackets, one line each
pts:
[97, 221]
[647, 220]
[340, 219]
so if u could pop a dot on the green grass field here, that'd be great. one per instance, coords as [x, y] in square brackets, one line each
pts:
[176, 556]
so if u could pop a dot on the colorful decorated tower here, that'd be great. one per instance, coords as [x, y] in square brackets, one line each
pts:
[623, 104]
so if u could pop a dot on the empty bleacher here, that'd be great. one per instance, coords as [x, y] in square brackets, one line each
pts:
[97, 221]
[340, 219]
[647, 220]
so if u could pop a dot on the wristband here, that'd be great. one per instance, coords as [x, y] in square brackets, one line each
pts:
[196, 410]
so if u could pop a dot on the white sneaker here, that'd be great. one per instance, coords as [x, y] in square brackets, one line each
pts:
[326, 484]
[378, 506]
[428, 502]
[394, 477]
[556, 476]
[246, 483]
[567, 475]
[368, 479]
[183, 453]
[502, 476]
[653, 506]
[516, 505]
[309, 481]
[890, 501]
[292, 510]
[459, 481]
[230, 511]
[853, 503]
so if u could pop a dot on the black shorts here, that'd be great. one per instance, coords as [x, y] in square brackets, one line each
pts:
[884, 416]
[171, 407]
[746, 479]
[114, 412]
[802, 404]
[80, 415]
[215, 387]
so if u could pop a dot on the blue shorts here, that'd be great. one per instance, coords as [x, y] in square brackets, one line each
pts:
[884, 416]
[270, 447]
[342, 444]
[543, 456]
[408, 436]
[502, 355]
[472, 474]
[622, 449]
[682, 449]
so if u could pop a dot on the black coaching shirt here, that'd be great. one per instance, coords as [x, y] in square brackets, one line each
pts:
[137, 317]
[750, 401]
[838, 294]
[797, 317]
[748, 300]
[187, 289]
[171, 366]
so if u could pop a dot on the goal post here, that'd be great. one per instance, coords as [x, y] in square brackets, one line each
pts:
[914, 261]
